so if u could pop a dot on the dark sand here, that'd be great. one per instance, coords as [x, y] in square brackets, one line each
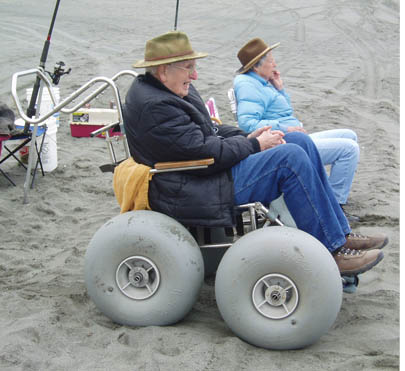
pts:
[340, 64]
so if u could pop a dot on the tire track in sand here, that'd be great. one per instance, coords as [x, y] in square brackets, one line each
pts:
[354, 34]
[244, 31]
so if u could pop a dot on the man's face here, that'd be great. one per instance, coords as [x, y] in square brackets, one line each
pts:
[178, 77]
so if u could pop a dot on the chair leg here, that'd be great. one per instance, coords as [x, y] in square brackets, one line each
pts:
[12, 153]
[8, 178]
[39, 161]
[39, 153]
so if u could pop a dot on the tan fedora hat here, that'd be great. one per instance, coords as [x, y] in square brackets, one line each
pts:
[170, 47]
[251, 52]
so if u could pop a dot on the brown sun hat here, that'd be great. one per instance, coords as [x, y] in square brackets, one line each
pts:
[170, 47]
[251, 52]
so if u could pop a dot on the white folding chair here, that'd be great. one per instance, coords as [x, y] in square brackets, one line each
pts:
[211, 107]
[232, 102]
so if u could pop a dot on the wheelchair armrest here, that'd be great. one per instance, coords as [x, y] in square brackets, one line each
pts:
[103, 129]
[182, 165]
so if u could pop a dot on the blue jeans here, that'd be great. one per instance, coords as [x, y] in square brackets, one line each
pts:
[296, 170]
[339, 149]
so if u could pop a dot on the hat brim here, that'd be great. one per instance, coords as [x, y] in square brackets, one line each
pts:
[249, 65]
[143, 63]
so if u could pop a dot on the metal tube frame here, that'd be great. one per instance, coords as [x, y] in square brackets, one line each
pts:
[39, 72]
[253, 209]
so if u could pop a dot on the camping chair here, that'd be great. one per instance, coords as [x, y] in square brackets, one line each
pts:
[232, 102]
[212, 110]
[2, 139]
[26, 139]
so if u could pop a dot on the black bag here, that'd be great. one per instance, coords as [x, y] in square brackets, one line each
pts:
[7, 126]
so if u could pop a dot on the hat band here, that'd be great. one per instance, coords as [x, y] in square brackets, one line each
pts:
[169, 56]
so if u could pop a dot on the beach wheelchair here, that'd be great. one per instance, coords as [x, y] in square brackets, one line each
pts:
[276, 287]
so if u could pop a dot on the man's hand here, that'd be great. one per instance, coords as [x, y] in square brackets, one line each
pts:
[270, 138]
[257, 132]
[276, 80]
[290, 129]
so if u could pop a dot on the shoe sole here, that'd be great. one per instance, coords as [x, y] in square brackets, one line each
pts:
[384, 243]
[365, 268]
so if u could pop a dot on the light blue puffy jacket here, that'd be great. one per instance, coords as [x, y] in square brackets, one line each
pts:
[260, 104]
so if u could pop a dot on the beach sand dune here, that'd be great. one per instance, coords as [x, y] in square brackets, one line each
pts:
[340, 64]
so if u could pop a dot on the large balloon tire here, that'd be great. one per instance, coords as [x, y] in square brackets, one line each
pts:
[143, 268]
[250, 284]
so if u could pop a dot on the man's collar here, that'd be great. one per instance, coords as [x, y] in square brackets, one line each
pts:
[150, 79]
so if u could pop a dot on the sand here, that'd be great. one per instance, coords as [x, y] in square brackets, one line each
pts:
[340, 64]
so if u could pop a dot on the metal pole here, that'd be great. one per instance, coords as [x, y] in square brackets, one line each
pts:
[31, 108]
[31, 111]
[177, 12]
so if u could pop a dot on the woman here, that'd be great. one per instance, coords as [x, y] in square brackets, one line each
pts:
[262, 101]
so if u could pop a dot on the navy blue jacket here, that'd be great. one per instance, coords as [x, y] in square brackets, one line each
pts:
[161, 126]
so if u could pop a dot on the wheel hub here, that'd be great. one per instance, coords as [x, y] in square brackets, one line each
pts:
[275, 296]
[137, 277]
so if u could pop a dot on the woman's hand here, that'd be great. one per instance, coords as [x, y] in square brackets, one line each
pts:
[290, 129]
[276, 80]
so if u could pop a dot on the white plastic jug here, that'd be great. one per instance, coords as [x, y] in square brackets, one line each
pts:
[49, 154]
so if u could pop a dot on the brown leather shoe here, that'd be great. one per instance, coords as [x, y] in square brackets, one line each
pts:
[352, 262]
[356, 241]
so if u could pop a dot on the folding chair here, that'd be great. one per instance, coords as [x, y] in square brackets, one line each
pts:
[212, 110]
[12, 152]
[2, 139]
[232, 102]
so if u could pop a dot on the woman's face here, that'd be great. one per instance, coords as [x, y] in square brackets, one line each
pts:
[267, 68]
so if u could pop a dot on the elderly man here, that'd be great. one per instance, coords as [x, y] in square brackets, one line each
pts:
[166, 120]
[263, 101]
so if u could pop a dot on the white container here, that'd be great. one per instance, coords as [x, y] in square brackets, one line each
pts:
[47, 104]
[49, 154]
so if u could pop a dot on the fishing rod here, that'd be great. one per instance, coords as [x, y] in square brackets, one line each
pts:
[177, 12]
[31, 111]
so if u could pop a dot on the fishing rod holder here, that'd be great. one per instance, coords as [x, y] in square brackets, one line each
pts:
[62, 106]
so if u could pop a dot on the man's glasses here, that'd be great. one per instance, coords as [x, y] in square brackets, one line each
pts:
[190, 69]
